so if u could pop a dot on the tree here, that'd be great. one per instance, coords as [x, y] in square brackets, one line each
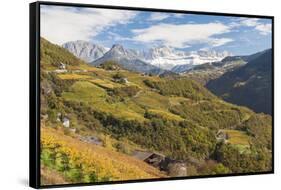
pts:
[119, 77]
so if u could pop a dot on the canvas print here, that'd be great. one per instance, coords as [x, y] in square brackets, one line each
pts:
[142, 95]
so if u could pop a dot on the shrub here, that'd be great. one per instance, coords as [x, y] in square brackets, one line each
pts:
[119, 77]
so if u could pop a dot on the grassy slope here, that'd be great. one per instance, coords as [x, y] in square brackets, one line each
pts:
[176, 100]
[237, 137]
[164, 98]
[90, 88]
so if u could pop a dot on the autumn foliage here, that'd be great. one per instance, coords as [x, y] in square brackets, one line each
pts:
[82, 162]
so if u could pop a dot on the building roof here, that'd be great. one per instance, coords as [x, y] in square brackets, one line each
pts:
[142, 155]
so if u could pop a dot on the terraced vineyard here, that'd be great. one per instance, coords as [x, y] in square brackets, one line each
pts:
[128, 111]
[81, 162]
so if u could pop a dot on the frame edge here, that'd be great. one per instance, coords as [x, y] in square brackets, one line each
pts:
[34, 162]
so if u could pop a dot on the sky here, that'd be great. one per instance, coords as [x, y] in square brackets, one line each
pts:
[141, 30]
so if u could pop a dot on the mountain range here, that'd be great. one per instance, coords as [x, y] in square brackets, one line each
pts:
[128, 59]
[169, 58]
[208, 71]
[85, 50]
[154, 59]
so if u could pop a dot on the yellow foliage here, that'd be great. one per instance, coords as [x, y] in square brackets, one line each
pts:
[237, 137]
[105, 83]
[73, 76]
[107, 165]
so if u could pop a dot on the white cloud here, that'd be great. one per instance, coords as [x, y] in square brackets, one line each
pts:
[183, 35]
[158, 16]
[255, 23]
[215, 42]
[62, 24]
[249, 22]
[264, 29]
[179, 15]
[163, 16]
[117, 37]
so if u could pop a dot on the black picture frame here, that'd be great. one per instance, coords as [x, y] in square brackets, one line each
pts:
[34, 91]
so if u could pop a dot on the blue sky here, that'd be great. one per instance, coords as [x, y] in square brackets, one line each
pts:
[141, 29]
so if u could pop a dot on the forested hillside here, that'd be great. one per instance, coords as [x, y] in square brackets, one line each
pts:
[249, 85]
[125, 111]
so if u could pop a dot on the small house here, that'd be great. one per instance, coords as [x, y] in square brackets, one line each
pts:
[58, 117]
[222, 136]
[62, 66]
[151, 158]
[126, 80]
[66, 122]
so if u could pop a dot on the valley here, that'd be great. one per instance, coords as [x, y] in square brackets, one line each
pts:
[121, 110]
[249, 85]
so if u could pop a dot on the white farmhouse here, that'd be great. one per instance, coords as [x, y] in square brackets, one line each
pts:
[66, 122]
[62, 66]
[126, 80]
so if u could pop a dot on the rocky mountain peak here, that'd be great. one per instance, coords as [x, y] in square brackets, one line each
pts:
[85, 50]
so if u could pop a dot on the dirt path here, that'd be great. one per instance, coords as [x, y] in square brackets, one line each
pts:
[137, 94]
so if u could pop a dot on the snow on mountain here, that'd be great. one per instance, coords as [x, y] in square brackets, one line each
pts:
[85, 50]
[128, 58]
[163, 57]
[167, 58]
[162, 51]
[182, 68]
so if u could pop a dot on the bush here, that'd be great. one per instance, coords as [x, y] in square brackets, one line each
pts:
[255, 160]
[122, 147]
[52, 115]
[211, 167]
[127, 91]
[110, 65]
[119, 77]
